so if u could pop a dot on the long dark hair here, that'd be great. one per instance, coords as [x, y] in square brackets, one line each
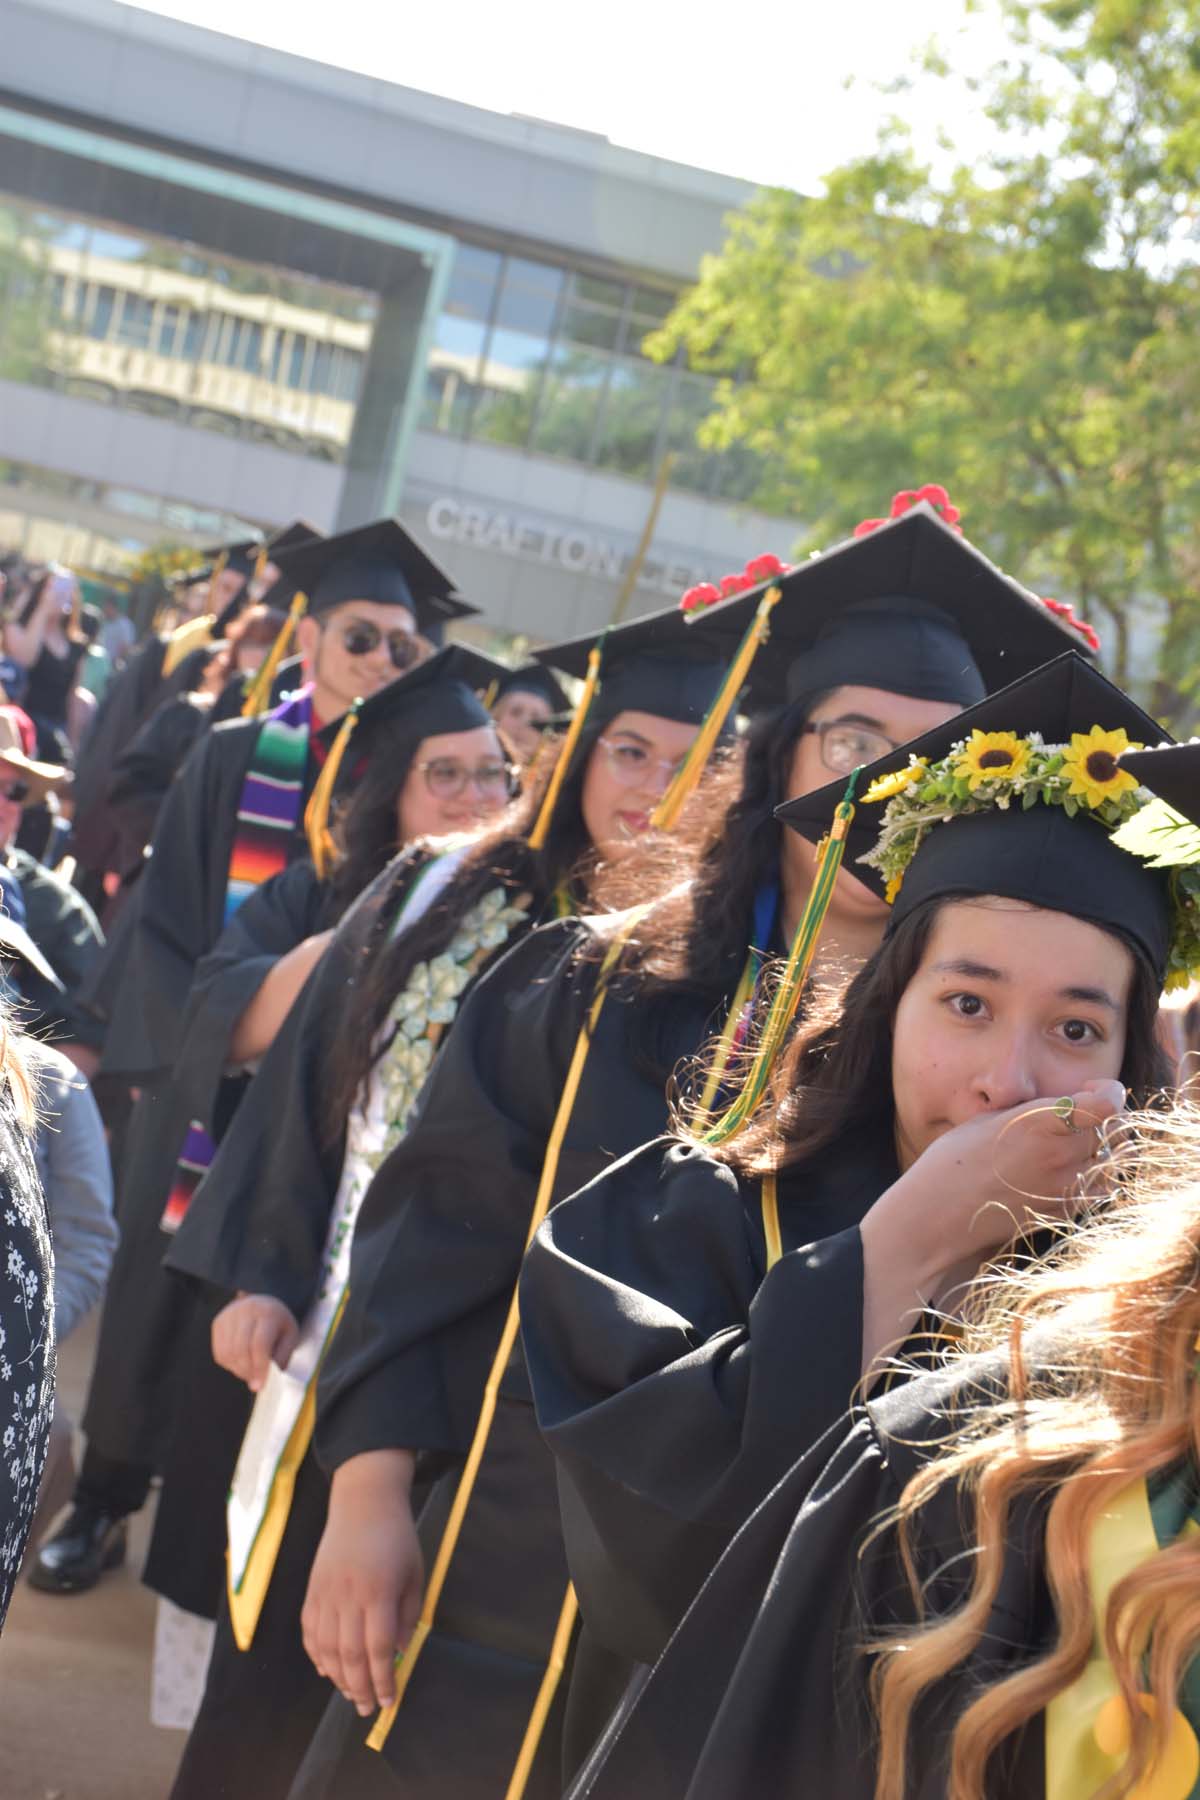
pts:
[836, 1074]
[497, 855]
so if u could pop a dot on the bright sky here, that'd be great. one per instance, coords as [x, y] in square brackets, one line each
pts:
[754, 88]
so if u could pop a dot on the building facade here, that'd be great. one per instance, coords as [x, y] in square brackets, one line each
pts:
[237, 288]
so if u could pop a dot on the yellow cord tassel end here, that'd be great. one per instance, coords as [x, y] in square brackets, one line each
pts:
[258, 697]
[666, 813]
[316, 813]
[537, 836]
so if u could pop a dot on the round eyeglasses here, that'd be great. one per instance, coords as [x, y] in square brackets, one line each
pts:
[446, 779]
[633, 765]
[845, 746]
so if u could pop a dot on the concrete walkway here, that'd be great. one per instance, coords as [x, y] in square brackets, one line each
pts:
[75, 1673]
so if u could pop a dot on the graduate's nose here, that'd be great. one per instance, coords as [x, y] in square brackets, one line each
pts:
[1007, 1075]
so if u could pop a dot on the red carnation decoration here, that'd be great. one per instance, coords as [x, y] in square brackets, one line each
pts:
[735, 584]
[698, 597]
[906, 499]
[762, 568]
[1062, 609]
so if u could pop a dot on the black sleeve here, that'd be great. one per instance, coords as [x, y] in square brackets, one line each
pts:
[67, 932]
[259, 1217]
[146, 767]
[674, 1380]
[274, 919]
[441, 1232]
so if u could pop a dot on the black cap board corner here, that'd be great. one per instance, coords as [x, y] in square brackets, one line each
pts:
[442, 694]
[657, 664]
[1043, 855]
[912, 607]
[534, 678]
[381, 562]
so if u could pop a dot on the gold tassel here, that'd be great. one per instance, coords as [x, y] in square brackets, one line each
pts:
[666, 813]
[262, 557]
[316, 813]
[488, 698]
[545, 1697]
[258, 695]
[537, 836]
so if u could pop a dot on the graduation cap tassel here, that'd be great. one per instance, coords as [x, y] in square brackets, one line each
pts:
[316, 813]
[258, 695]
[262, 557]
[537, 837]
[787, 998]
[666, 813]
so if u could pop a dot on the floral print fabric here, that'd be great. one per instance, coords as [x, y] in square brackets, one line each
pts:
[27, 1346]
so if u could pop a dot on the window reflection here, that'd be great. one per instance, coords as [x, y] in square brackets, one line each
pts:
[160, 327]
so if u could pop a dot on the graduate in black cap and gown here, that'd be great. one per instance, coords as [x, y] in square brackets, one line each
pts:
[425, 1318]
[698, 1317]
[272, 1208]
[234, 817]
[527, 700]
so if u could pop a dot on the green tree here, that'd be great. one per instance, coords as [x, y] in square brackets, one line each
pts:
[1022, 329]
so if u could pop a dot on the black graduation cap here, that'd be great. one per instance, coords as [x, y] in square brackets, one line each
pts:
[1172, 771]
[381, 562]
[912, 607]
[1043, 855]
[282, 590]
[658, 664]
[240, 557]
[532, 678]
[442, 694]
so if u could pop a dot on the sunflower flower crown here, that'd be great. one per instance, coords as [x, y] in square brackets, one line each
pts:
[999, 769]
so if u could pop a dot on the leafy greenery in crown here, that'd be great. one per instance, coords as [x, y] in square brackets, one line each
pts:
[999, 769]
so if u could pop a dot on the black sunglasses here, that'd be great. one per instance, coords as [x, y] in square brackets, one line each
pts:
[16, 791]
[360, 637]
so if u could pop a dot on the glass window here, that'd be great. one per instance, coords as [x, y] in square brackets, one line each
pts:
[570, 404]
[509, 383]
[634, 417]
[529, 296]
[295, 374]
[653, 304]
[170, 323]
[596, 325]
[276, 355]
[471, 290]
[691, 403]
[320, 369]
[133, 326]
[595, 292]
[194, 335]
[103, 303]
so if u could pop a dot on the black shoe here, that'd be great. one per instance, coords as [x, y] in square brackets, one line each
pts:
[73, 1560]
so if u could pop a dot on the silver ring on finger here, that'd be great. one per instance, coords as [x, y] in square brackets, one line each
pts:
[1064, 1109]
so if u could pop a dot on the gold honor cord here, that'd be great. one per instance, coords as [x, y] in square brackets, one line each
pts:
[184, 639]
[770, 1219]
[537, 836]
[686, 776]
[316, 813]
[406, 1663]
[258, 697]
[791, 987]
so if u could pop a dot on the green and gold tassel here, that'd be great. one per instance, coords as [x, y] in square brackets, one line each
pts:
[791, 987]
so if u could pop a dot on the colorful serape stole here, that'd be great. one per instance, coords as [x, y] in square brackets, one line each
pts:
[267, 817]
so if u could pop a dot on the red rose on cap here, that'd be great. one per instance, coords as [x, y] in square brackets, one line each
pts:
[703, 594]
[1062, 609]
[907, 498]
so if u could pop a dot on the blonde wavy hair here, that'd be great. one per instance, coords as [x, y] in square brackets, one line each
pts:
[1116, 1400]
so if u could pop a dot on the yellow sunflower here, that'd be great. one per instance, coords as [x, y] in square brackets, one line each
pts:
[886, 787]
[991, 756]
[1092, 763]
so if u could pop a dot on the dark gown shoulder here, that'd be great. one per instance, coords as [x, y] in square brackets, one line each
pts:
[763, 1687]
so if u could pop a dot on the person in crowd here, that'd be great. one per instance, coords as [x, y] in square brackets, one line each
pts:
[526, 701]
[436, 770]
[118, 633]
[27, 1342]
[43, 637]
[424, 1318]
[168, 664]
[233, 817]
[76, 1177]
[145, 769]
[947, 1106]
[58, 919]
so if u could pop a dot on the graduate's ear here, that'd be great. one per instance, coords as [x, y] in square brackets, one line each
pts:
[308, 636]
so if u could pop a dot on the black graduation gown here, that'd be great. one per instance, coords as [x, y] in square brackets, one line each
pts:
[436, 1256]
[145, 769]
[762, 1689]
[676, 1379]
[181, 905]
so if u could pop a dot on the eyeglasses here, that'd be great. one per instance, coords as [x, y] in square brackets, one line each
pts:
[846, 747]
[632, 764]
[446, 778]
[16, 791]
[360, 637]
